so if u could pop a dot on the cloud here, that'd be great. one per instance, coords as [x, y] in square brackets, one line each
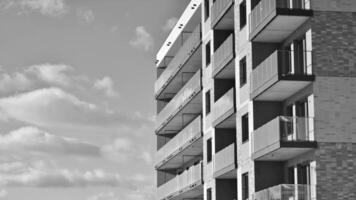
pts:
[34, 140]
[3, 193]
[120, 150]
[104, 196]
[53, 8]
[14, 83]
[52, 107]
[87, 15]
[52, 73]
[142, 39]
[170, 23]
[106, 84]
[40, 174]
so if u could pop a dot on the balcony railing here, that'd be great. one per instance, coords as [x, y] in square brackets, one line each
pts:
[184, 53]
[225, 159]
[224, 107]
[265, 7]
[285, 192]
[188, 135]
[190, 89]
[219, 9]
[187, 180]
[280, 65]
[223, 55]
[276, 134]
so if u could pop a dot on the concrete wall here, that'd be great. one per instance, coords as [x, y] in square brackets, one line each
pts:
[265, 111]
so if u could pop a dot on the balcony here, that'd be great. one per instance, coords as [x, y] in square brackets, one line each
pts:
[281, 75]
[187, 185]
[283, 138]
[181, 149]
[223, 15]
[275, 20]
[187, 60]
[223, 62]
[224, 111]
[286, 192]
[225, 163]
[182, 109]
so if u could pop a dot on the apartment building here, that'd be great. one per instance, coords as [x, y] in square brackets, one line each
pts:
[256, 99]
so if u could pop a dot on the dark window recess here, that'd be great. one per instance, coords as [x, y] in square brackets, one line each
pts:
[207, 9]
[207, 54]
[207, 103]
[243, 72]
[208, 194]
[244, 128]
[245, 186]
[243, 14]
[209, 150]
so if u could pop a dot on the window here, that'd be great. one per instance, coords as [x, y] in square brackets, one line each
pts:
[208, 194]
[243, 72]
[209, 150]
[244, 128]
[207, 9]
[207, 103]
[243, 14]
[244, 186]
[207, 54]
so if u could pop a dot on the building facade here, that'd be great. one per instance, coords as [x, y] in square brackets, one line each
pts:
[256, 99]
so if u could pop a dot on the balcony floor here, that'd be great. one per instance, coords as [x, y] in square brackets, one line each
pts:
[195, 192]
[282, 151]
[229, 172]
[186, 71]
[185, 154]
[226, 21]
[184, 116]
[227, 71]
[282, 89]
[279, 25]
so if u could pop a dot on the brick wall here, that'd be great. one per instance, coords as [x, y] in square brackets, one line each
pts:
[336, 171]
[334, 43]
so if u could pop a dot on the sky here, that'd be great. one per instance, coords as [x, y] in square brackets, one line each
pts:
[76, 97]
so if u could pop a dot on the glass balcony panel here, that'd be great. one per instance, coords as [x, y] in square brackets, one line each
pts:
[270, 15]
[281, 75]
[285, 192]
[190, 133]
[223, 108]
[222, 57]
[179, 101]
[276, 139]
[184, 53]
[219, 9]
[182, 183]
[225, 160]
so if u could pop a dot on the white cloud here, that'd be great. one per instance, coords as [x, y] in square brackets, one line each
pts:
[3, 193]
[32, 139]
[14, 83]
[87, 15]
[53, 8]
[146, 156]
[106, 84]
[51, 107]
[120, 150]
[170, 23]
[104, 196]
[51, 73]
[142, 39]
[40, 174]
